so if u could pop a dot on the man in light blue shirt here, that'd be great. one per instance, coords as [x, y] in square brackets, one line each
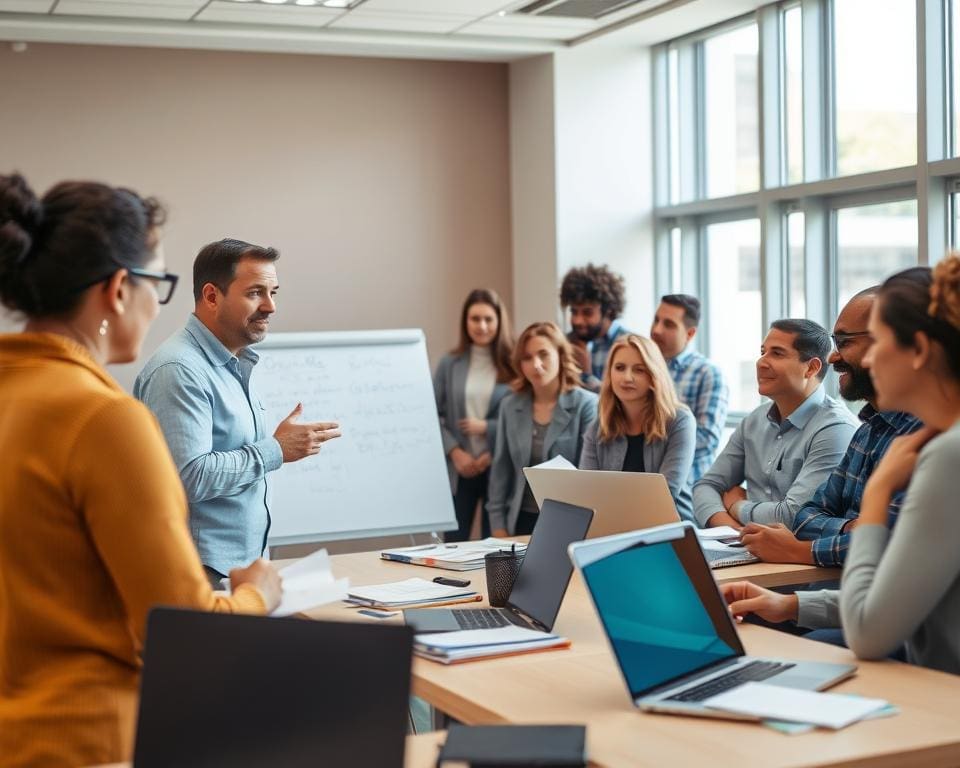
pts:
[198, 384]
[786, 450]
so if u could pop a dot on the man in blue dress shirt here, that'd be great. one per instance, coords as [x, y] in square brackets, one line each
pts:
[784, 450]
[198, 383]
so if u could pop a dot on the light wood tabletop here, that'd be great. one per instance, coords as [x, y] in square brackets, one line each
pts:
[583, 685]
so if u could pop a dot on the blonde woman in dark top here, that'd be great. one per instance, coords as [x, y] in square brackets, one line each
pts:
[469, 384]
[642, 426]
[546, 416]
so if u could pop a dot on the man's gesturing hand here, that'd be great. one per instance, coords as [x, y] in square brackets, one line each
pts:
[298, 441]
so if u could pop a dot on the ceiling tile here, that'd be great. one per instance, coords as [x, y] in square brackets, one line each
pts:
[26, 6]
[400, 22]
[176, 9]
[536, 27]
[259, 13]
[475, 8]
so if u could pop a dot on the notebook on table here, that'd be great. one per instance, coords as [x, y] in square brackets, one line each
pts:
[669, 627]
[250, 691]
[540, 585]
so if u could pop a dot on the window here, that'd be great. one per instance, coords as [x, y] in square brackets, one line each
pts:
[731, 115]
[733, 310]
[794, 174]
[875, 56]
[796, 279]
[873, 241]
[676, 265]
[793, 94]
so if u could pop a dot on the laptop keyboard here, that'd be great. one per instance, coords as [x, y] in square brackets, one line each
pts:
[755, 670]
[483, 618]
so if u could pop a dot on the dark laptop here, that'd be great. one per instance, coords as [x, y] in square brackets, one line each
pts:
[540, 586]
[669, 627]
[245, 691]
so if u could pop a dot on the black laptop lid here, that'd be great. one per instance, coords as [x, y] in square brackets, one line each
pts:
[546, 569]
[660, 606]
[247, 691]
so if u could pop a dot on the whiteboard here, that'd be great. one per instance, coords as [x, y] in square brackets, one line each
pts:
[387, 473]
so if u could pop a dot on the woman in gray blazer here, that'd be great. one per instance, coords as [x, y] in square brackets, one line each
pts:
[642, 425]
[546, 416]
[469, 384]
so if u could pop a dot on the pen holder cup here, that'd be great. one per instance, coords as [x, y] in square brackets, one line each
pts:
[502, 569]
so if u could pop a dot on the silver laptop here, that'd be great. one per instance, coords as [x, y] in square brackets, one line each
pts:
[622, 501]
[669, 627]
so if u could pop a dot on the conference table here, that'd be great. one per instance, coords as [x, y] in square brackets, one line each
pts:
[583, 685]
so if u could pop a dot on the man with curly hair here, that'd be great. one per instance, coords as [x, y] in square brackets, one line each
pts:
[596, 298]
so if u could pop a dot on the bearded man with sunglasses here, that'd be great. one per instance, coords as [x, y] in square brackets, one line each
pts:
[821, 529]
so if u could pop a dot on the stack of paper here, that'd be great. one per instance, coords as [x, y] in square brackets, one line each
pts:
[472, 644]
[308, 583]
[410, 593]
[465, 556]
[765, 701]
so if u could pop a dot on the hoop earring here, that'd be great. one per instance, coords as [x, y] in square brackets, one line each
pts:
[103, 327]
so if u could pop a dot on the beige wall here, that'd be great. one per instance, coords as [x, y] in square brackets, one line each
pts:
[384, 183]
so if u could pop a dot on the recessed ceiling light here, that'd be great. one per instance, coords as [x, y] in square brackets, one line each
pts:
[336, 3]
[275, 2]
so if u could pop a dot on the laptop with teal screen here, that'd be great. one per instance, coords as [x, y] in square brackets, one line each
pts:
[669, 628]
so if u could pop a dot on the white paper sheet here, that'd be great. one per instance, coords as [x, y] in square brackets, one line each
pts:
[475, 638]
[557, 462]
[720, 532]
[309, 583]
[779, 703]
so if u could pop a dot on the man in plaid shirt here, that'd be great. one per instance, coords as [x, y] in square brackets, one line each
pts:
[698, 381]
[821, 529]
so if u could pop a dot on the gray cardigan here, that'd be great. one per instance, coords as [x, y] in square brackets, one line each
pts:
[903, 586]
[449, 388]
[574, 412]
[672, 456]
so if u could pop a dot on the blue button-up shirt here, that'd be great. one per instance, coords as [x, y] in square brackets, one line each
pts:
[783, 460]
[214, 425]
[599, 348]
[837, 501]
[700, 384]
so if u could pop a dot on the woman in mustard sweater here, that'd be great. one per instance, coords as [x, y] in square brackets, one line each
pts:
[93, 528]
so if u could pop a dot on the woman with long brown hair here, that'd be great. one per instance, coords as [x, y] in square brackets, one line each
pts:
[642, 426]
[469, 384]
[546, 416]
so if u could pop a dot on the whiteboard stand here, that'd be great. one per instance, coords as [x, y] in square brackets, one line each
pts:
[387, 474]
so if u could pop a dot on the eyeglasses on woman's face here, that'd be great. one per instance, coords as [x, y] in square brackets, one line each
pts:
[163, 283]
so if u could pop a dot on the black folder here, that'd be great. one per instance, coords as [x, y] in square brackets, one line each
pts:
[516, 746]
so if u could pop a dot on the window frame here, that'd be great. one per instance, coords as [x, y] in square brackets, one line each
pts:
[934, 181]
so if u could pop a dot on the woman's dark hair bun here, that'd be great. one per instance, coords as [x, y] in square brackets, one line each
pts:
[21, 214]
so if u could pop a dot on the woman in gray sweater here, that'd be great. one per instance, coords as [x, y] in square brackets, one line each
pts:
[901, 588]
[641, 424]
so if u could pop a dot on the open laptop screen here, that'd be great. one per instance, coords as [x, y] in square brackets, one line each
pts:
[662, 612]
[546, 570]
